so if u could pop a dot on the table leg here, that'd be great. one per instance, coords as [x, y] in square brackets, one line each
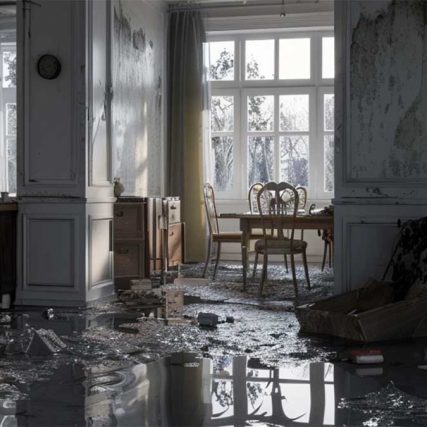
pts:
[244, 230]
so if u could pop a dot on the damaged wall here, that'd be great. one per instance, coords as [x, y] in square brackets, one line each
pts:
[138, 58]
[381, 131]
[388, 90]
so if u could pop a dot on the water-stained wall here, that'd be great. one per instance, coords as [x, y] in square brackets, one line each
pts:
[139, 31]
[388, 90]
[381, 131]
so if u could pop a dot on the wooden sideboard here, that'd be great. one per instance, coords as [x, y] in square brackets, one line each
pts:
[144, 240]
[8, 213]
[130, 241]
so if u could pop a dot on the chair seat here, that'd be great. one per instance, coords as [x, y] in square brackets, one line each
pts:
[227, 236]
[280, 246]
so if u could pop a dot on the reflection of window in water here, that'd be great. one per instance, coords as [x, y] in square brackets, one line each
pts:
[8, 118]
[275, 395]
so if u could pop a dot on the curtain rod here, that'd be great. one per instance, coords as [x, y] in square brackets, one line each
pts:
[200, 6]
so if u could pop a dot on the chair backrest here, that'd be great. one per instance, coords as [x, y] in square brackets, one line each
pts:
[209, 196]
[284, 200]
[302, 194]
[252, 196]
[288, 196]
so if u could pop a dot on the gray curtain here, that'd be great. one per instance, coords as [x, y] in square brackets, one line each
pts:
[186, 103]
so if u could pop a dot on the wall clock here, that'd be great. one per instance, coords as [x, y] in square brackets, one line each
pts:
[48, 67]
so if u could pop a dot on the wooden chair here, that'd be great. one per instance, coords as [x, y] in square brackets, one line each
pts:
[328, 246]
[215, 236]
[274, 241]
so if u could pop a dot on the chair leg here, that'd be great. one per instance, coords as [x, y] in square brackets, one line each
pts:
[255, 265]
[325, 250]
[286, 263]
[218, 252]
[264, 273]
[208, 257]
[330, 254]
[294, 275]
[307, 277]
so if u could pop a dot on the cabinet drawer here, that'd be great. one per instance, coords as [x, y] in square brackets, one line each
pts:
[129, 259]
[175, 244]
[129, 220]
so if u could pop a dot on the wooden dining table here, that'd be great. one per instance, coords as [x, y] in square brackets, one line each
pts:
[250, 221]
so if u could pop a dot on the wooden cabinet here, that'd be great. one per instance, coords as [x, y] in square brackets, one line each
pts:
[175, 244]
[8, 248]
[130, 241]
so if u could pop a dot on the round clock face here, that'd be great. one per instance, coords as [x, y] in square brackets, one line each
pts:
[48, 67]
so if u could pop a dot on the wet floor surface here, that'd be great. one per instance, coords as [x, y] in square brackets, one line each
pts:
[120, 368]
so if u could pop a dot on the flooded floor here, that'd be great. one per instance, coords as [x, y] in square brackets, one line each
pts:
[119, 367]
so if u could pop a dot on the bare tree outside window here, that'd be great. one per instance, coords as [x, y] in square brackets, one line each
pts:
[294, 159]
[223, 162]
[9, 69]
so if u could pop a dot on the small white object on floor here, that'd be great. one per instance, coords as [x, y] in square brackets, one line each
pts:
[181, 281]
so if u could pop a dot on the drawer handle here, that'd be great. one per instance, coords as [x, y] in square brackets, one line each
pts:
[123, 251]
[119, 214]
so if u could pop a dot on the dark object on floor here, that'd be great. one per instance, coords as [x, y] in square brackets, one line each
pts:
[44, 342]
[368, 314]
[48, 314]
[209, 320]
[229, 319]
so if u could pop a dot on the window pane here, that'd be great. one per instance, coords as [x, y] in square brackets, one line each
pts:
[294, 159]
[259, 59]
[294, 58]
[220, 60]
[11, 164]
[11, 119]
[222, 113]
[222, 147]
[328, 142]
[294, 112]
[260, 113]
[9, 69]
[260, 159]
[328, 112]
[328, 58]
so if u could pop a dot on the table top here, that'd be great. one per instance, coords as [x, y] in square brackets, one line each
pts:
[249, 215]
[8, 207]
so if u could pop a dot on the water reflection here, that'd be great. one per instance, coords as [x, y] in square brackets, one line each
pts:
[186, 390]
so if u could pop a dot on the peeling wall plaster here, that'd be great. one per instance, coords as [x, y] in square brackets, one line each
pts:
[388, 90]
[137, 66]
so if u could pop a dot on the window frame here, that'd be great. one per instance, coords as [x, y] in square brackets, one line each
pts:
[7, 96]
[240, 86]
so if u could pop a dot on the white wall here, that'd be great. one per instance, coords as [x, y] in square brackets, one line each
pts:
[139, 37]
[381, 131]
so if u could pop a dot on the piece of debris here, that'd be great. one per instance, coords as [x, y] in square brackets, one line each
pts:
[141, 284]
[229, 319]
[209, 320]
[175, 321]
[367, 356]
[48, 314]
[6, 318]
[44, 342]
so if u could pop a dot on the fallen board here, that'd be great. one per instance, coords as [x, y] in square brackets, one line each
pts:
[339, 316]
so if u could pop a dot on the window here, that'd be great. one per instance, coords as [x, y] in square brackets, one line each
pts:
[272, 111]
[8, 118]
